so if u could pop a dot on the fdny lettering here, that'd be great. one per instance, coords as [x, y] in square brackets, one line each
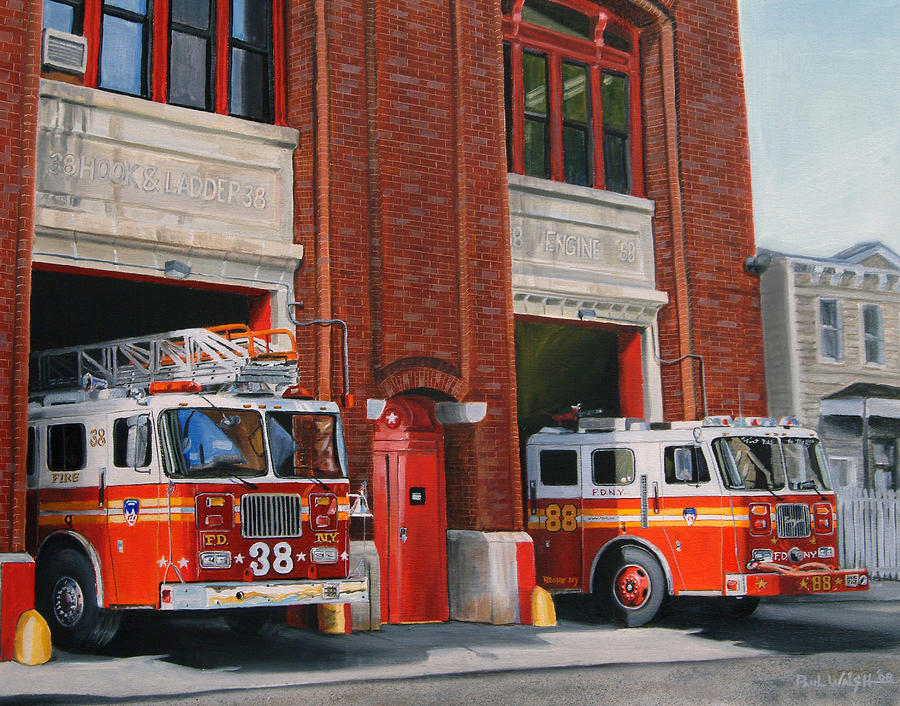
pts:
[214, 540]
[608, 492]
[559, 580]
[64, 477]
[327, 537]
[785, 556]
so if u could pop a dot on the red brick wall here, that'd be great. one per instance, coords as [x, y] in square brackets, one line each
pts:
[714, 305]
[725, 304]
[417, 257]
[19, 54]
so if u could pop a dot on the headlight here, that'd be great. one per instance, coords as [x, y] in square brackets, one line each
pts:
[215, 560]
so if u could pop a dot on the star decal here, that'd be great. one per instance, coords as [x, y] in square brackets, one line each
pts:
[839, 580]
[774, 540]
[812, 540]
[239, 559]
[183, 563]
[804, 583]
[162, 562]
[761, 583]
[301, 557]
[392, 418]
[345, 556]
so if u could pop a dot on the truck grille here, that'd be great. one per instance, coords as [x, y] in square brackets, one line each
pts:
[792, 520]
[266, 515]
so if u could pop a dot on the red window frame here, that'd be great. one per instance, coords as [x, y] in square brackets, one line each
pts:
[521, 36]
[159, 52]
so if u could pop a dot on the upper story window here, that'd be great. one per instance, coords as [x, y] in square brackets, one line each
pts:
[572, 94]
[215, 55]
[830, 329]
[873, 334]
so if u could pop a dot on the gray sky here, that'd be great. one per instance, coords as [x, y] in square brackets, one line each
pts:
[823, 104]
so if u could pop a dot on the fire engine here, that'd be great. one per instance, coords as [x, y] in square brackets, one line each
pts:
[183, 471]
[634, 512]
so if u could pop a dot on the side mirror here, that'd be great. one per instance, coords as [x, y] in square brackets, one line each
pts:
[684, 465]
[137, 452]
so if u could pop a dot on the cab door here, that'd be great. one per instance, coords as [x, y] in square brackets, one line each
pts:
[555, 511]
[130, 487]
[693, 517]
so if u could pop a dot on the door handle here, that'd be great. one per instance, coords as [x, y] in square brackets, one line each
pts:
[532, 495]
[403, 534]
[655, 498]
[101, 487]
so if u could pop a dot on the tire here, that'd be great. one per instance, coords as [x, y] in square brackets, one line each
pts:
[66, 597]
[630, 588]
[739, 606]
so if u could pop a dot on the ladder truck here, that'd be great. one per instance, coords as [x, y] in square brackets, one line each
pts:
[186, 470]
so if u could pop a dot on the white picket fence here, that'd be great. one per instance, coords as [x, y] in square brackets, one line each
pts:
[869, 531]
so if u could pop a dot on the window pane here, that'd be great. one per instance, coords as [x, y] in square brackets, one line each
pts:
[139, 6]
[616, 41]
[194, 13]
[615, 102]
[59, 16]
[121, 55]
[188, 62]
[575, 103]
[535, 148]
[612, 467]
[65, 447]
[559, 467]
[872, 320]
[575, 155]
[249, 92]
[249, 22]
[30, 462]
[557, 18]
[828, 311]
[534, 74]
[615, 157]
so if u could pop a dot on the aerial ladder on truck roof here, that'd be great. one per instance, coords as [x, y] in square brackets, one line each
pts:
[232, 353]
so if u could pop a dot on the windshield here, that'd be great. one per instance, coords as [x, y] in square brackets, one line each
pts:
[805, 464]
[303, 445]
[750, 462]
[214, 443]
[760, 463]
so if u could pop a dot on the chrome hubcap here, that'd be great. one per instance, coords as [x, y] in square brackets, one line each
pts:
[68, 601]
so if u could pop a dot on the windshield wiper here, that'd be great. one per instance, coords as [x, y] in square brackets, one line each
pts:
[246, 482]
[314, 477]
[811, 485]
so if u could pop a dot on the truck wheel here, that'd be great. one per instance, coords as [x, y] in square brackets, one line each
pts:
[66, 597]
[630, 588]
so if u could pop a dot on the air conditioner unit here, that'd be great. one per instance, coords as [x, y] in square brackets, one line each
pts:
[64, 51]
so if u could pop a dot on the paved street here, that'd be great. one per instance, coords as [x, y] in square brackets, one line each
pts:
[806, 651]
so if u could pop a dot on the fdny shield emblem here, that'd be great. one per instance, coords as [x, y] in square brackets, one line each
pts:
[131, 508]
[690, 514]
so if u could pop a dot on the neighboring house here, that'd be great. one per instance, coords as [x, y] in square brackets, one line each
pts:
[832, 344]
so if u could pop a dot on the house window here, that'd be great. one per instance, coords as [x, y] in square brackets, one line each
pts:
[214, 55]
[571, 89]
[124, 47]
[873, 334]
[830, 329]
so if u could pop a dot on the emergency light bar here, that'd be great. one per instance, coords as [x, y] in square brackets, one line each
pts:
[789, 422]
[754, 422]
[722, 420]
[174, 386]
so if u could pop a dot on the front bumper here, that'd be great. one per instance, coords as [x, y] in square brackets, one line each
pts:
[240, 594]
[796, 584]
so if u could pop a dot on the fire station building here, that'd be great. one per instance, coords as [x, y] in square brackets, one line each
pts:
[517, 207]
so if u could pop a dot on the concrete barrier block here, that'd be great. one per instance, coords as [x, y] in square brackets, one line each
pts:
[16, 597]
[484, 576]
